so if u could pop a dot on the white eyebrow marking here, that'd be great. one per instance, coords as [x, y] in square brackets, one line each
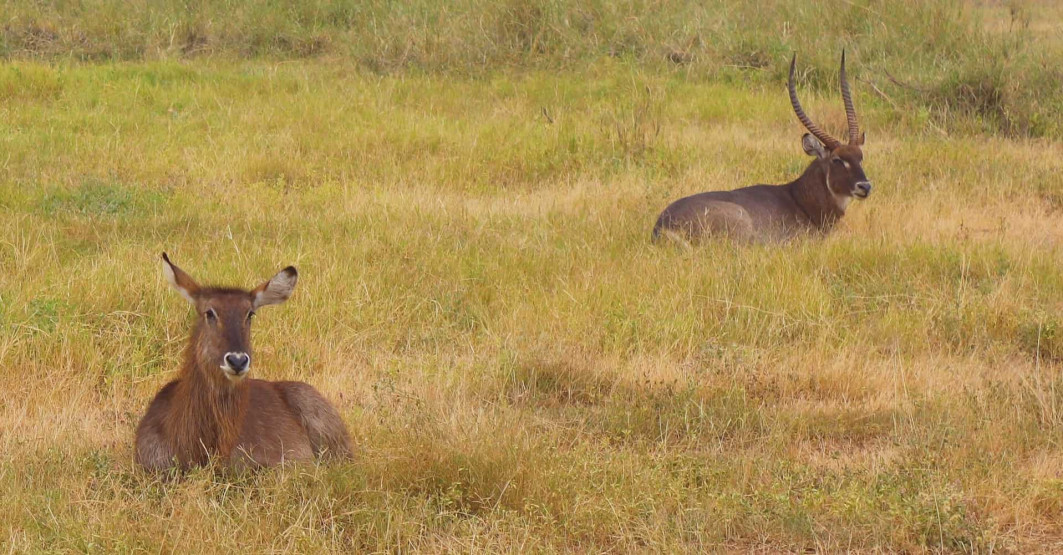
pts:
[846, 164]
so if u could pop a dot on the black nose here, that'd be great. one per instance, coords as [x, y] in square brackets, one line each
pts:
[237, 361]
[864, 187]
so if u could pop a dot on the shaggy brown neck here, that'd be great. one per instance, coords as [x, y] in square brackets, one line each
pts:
[207, 411]
[812, 194]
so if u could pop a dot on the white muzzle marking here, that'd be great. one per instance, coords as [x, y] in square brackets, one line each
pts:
[236, 365]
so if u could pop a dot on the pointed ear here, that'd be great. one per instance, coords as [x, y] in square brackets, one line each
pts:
[812, 146]
[182, 282]
[277, 289]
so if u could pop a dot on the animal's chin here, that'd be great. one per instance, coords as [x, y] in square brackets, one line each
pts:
[860, 196]
[232, 375]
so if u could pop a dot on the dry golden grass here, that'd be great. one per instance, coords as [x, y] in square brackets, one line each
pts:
[521, 369]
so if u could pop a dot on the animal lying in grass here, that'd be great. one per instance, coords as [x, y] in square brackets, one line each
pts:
[814, 202]
[214, 411]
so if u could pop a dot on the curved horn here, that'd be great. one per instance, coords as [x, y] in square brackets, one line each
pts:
[830, 142]
[850, 111]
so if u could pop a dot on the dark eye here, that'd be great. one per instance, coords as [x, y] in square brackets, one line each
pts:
[211, 315]
[838, 161]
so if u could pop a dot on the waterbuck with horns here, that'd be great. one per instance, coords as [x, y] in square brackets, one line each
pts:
[813, 202]
[214, 411]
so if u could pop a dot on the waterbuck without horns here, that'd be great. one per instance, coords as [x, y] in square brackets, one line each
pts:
[813, 202]
[214, 411]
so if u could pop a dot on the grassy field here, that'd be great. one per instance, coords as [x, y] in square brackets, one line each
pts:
[520, 368]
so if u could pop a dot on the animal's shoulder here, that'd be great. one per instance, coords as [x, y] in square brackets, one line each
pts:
[297, 393]
[158, 408]
[166, 393]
